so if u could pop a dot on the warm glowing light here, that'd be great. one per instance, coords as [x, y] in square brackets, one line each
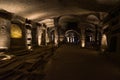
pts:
[68, 39]
[73, 40]
[83, 43]
[6, 57]
[56, 39]
[29, 47]
[39, 40]
[39, 35]
[33, 16]
[12, 7]
[104, 42]
[47, 38]
[4, 34]
[16, 32]
[3, 47]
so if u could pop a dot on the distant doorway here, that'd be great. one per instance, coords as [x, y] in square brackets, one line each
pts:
[72, 36]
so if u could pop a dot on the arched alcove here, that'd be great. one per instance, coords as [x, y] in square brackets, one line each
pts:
[17, 35]
[72, 36]
[16, 31]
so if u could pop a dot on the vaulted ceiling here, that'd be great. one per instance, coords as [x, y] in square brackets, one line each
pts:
[38, 9]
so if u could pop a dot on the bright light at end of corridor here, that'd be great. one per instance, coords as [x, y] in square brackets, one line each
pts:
[83, 43]
[104, 42]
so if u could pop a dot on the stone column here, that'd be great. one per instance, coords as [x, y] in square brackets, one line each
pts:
[4, 34]
[28, 27]
[39, 35]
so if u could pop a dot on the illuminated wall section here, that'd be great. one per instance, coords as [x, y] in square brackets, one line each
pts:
[39, 35]
[49, 24]
[82, 37]
[16, 32]
[4, 34]
[83, 43]
[56, 38]
[104, 42]
[47, 37]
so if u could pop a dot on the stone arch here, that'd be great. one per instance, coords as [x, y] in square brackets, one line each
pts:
[18, 32]
[92, 18]
[67, 18]
[72, 36]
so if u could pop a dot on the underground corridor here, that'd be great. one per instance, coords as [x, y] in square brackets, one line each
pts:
[60, 40]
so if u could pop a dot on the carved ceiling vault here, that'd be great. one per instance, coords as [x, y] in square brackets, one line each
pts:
[39, 9]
